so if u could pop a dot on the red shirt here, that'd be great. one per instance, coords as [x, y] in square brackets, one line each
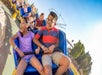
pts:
[49, 37]
[39, 22]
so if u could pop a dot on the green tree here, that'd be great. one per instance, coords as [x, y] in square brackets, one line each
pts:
[77, 50]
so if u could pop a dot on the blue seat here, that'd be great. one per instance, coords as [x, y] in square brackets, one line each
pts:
[30, 70]
[23, 14]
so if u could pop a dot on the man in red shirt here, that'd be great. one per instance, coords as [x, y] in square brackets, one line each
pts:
[50, 40]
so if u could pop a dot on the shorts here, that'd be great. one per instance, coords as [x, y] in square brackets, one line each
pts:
[27, 58]
[55, 57]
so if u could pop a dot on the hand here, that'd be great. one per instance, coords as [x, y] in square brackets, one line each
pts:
[21, 54]
[51, 48]
[45, 49]
[37, 50]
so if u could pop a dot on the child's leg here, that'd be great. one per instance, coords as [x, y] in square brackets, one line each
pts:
[36, 64]
[21, 67]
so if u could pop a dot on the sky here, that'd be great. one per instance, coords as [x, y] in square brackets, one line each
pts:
[84, 22]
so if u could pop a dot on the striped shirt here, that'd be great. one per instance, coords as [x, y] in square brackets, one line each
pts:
[48, 37]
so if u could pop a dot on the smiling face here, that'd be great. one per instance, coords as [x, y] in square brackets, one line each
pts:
[50, 23]
[51, 20]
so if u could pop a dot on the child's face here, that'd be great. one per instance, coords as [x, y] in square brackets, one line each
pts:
[23, 27]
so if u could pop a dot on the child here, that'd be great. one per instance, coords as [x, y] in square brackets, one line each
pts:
[25, 38]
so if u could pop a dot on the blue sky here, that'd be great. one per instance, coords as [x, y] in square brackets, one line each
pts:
[77, 14]
[84, 22]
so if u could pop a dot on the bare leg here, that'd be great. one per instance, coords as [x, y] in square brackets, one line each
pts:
[48, 70]
[36, 64]
[47, 62]
[64, 64]
[21, 67]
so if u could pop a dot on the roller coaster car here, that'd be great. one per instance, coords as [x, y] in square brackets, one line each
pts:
[32, 71]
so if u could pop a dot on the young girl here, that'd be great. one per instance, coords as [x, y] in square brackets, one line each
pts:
[25, 38]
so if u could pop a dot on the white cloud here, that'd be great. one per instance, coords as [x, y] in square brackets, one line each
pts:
[93, 43]
[94, 46]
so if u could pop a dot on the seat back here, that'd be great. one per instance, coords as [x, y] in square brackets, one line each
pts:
[21, 12]
[62, 42]
[16, 56]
